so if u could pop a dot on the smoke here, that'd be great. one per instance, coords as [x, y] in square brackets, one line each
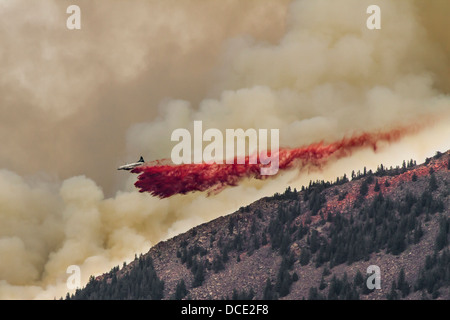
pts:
[74, 104]
[70, 96]
[327, 77]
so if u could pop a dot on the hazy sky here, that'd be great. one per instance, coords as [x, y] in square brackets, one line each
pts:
[68, 97]
[76, 104]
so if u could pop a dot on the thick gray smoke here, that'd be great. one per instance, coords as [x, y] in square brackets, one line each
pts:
[75, 104]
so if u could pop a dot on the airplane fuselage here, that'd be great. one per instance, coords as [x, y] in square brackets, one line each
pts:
[133, 165]
[129, 166]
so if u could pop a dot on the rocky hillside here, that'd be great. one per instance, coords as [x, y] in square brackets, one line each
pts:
[314, 243]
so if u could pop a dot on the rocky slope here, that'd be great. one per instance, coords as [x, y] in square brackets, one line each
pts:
[316, 243]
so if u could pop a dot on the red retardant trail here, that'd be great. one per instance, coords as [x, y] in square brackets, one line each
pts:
[164, 180]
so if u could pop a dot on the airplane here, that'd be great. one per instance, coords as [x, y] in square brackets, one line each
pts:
[130, 166]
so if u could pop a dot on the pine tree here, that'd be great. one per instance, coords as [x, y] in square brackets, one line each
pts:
[398, 244]
[315, 295]
[322, 284]
[180, 291]
[402, 284]
[377, 186]
[433, 183]
[314, 241]
[335, 288]
[326, 272]
[264, 239]
[304, 257]
[235, 295]
[442, 238]
[392, 295]
[217, 263]
[364, 188]
[269, 293]
[284, 280]
[199, 276]
[358, 280]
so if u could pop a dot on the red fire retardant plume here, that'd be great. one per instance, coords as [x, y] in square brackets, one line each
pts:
[164, 180]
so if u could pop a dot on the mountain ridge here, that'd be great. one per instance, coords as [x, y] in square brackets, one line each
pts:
[315, 243]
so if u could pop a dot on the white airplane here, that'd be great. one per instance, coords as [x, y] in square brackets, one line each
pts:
[133, 165]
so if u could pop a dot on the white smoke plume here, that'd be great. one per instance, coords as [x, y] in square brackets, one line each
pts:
[73, 104]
